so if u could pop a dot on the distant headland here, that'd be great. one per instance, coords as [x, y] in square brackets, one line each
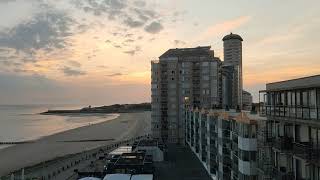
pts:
[115, 108]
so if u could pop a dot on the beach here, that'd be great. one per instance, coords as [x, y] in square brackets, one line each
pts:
[23, 155]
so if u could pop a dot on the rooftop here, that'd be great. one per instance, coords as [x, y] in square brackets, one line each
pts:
[232, 36]
[149, 143]
[121, 150]
[299, 83]
[185, 52]
[243, 116]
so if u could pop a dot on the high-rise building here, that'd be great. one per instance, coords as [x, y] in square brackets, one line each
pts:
[232, 47]
[182, 77]
[193, 77]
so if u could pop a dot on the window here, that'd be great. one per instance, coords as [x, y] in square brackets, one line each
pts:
[289, 98]
[305, 98]
[206, 78]
[312, 98]
[298, 102]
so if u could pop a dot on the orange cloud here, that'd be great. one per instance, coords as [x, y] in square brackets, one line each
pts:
[223, 27]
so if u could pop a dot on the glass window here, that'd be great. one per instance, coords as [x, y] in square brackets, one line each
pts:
[305, 98]
[298, 98]
[282, 99]
[318, 97]
[293, 98]
[289, 98]
[253, 131]
[312, 98]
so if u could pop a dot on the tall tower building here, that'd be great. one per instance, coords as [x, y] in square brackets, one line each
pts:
[232, 46]
[188, 76]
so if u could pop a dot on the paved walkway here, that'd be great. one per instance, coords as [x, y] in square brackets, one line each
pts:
[182, 164]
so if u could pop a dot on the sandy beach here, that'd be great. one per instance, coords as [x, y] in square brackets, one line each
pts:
[125, 126]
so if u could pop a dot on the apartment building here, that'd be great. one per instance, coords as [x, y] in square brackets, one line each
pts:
[187, 76]
[224, 141]
[290, 143]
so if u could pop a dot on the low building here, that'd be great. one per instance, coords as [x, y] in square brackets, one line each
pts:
[151, 147]
[224, 141]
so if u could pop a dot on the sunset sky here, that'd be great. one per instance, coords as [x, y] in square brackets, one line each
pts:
[99, 51]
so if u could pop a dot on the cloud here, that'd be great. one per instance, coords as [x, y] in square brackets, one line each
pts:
[129, 40]
[130, 52]
[143, 15]
[110, 7]
[117, 46]
[154, 27]
[7, 1]
[10, 63]
[179, 43]
[133, 23]
[108, 41]
[74, 63]
[115, 34]
[103, 66]
[128, 35]
[21, 70]
[127, 13]
[223, 27]
[134, 51]
[48, 30]
[152, 39]
[72, 72]
[115, 74]
[139, 3]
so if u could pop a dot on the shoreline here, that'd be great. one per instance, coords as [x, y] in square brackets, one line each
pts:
[48, 147]
[54, 133]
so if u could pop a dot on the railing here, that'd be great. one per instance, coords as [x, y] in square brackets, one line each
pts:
[298, 112]
[306, 150]
[280, 175]
[283, 143]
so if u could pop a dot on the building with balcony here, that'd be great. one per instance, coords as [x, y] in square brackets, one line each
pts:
[290, 145]
[224, 141]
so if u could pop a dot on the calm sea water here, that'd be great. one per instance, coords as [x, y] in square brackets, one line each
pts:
[23, 122]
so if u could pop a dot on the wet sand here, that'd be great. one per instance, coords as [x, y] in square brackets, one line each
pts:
[127, 125]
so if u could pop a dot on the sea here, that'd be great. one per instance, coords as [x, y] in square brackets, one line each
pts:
[23, 122]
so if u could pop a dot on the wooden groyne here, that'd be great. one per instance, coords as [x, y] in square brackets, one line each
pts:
[64, 141]
[16, 142]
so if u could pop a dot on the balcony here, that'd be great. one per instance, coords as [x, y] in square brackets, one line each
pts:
[307, 151]
[282, 174]
[295, 112]
[283, 143]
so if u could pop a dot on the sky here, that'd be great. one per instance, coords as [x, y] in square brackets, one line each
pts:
[97, 52]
